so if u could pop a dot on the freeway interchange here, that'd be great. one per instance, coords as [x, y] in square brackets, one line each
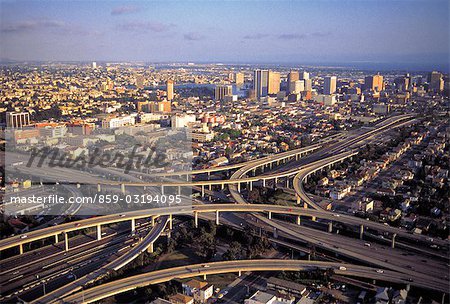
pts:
[296, 165]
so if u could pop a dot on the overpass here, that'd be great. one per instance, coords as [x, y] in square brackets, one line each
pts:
[155, 277]
[194, 210]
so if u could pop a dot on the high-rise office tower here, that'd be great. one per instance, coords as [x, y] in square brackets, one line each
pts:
[17, 120]
[436, 81]
[239, 79]
[291, 78]
[274, 82]
[308, 85]
[304, 75]
[374, 83]
[223, 90]
[169, 90]
[329, 85]
[261, 83]
[139, 81]
[94, 64]
[297, 86]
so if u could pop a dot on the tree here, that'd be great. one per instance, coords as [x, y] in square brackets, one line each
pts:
[233, 252]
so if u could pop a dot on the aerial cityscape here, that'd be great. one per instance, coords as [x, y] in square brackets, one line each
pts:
[292, 152]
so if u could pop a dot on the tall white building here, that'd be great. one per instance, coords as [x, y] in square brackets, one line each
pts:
[94, 64]
[17, 120]
[182, 121]
[222, 90]
[329, 85]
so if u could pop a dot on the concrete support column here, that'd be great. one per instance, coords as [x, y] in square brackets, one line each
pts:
[264, 182]
[298, 199]
[122, 188]
[153, 221]
[270, 166]
[239, 273]
[170, 221]
[275, 233]
[209, 187]
[393, 240]
[222, 186]
[162, 189]
[56, 238]
[217, 217]
[298, 220]
[269, 215]
[330, 227]
[209, 175]
[204, 277]
[196, 219]
[20, 248]
[150, 248]
[66, 242]
[179, 190]
[99, 232]
[203, 190]
[305, 205]
[187, 177]
[99, 187]
[361, 232]
[251, 185]
[313, 218]
[287, 182]
[276, 181]
[133, 225]
[239, 187]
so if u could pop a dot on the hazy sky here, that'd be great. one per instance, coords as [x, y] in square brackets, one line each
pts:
[412, 31]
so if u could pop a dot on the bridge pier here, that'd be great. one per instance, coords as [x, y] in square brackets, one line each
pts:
[204, 277]
[66, 242]
[361, 232]
[209, 187]
[170, 221]
[276, 181]
[264, 182]
[150, 248]
[222, 186]
[217, 217]
[133, 225]
[179, 190]
[196, 219]
[251, 185]
[209, 175]
[203, 190]
[99, 188]
[393, 240]
[313, 218]
[239, 273]
[162, 189]
[305, 205]
[298, 199]
[269, 215]
[287, 182]
[99, 232]
[122, 188]
[20, 248]
[153, 221]
[298, 220]
[56, 238]
[239, 187]
[275, 233]
[330, 227]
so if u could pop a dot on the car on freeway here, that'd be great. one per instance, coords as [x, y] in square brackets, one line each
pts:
[23, 236]
[367, 244]
[342, 268]
[380, 271]
[205, 266]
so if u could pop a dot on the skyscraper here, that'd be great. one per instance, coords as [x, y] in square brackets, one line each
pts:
[239, 79]
[222, 90]
[329, 85]
[169, 89]
[261, 83]
[291, 78]
[374, 83]
[304, 75]
[297, 86]
[94, 64]
[436, 81]
[274, 82]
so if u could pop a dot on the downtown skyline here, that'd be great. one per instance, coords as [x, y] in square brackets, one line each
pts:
[362, 34]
